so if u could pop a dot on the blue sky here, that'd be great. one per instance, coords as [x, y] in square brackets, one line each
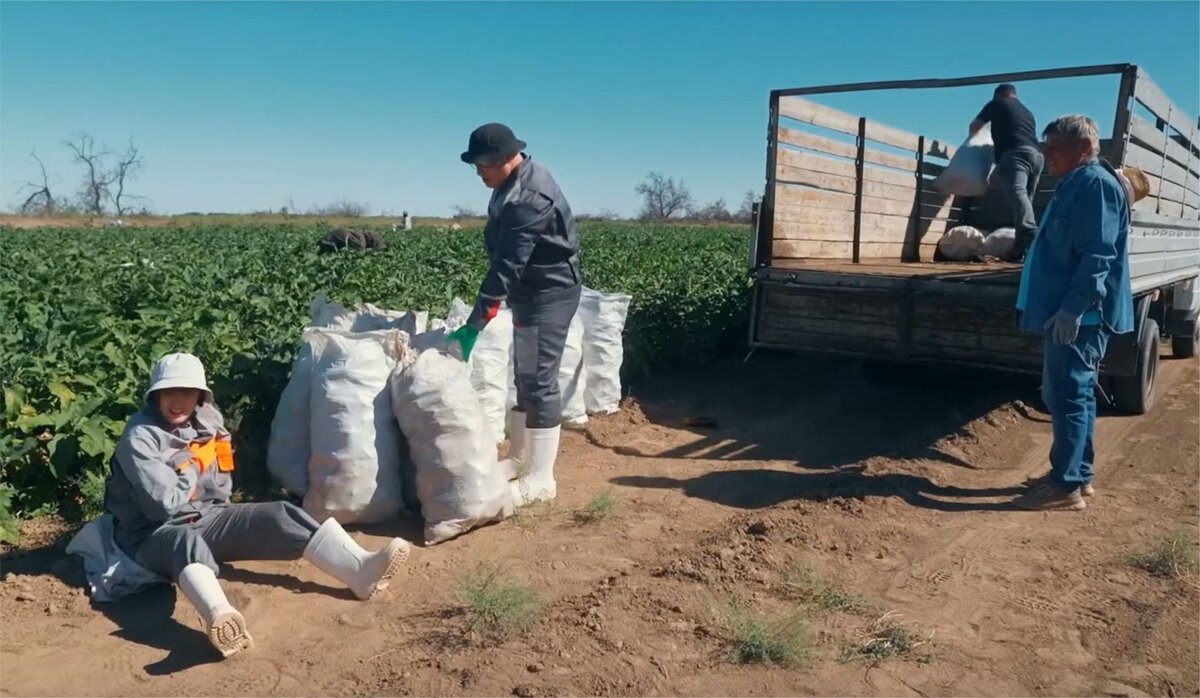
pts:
[247, 106]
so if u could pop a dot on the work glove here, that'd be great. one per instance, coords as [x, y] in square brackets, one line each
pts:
[1063, 328]
[466, 337]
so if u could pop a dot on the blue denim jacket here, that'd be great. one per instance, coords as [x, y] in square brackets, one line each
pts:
[1079, 261]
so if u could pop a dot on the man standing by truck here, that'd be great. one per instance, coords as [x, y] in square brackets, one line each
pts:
[1018, 161]
[534, 253]
[1075, 290]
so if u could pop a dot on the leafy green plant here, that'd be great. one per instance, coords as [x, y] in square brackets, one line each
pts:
[85, 313]
[91, 488]
[10, 532]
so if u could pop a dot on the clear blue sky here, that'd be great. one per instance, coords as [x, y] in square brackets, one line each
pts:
[245, 106]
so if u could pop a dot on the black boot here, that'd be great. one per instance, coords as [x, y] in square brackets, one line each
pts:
[1021, 242]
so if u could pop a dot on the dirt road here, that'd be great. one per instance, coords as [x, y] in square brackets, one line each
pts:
[894, 498]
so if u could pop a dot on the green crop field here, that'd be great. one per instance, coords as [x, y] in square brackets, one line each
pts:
[85, 312]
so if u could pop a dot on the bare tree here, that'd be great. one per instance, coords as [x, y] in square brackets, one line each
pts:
[461, 211]
[125, 170]
[96, 181]
[39, 201]
[746, 213]
[663, 197]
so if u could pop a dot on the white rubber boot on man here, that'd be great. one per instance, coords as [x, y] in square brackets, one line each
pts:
[514, 466]
[335, 553]
[224, 625]
[536, 483]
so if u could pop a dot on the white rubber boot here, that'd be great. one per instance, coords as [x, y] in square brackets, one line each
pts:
[225, 627]
[335, 553]
[536, 484]
[513, 466]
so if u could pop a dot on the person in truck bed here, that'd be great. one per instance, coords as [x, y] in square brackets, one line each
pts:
[1018, 160]
[1075, 290]
[168, 493]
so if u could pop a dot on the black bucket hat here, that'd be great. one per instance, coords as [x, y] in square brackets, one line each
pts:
[491, 144]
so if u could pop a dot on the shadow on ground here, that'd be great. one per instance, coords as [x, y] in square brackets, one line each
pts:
[822, 413]
[762, 488]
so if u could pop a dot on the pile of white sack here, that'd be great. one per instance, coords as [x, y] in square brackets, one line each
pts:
[965, 243]
[378, 418]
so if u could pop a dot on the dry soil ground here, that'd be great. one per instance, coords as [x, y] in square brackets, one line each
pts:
[893, 497]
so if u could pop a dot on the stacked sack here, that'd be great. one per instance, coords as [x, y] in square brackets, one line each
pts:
[333, 439]
[377, 415]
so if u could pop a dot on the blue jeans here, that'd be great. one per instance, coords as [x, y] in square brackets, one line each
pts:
[1069, 391]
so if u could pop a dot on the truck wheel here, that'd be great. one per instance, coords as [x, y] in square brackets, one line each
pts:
[1135, 394]
[1184, 347]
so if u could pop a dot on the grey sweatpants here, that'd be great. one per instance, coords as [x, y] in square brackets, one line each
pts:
[227, 533]
[540, 324]
[1018, 173]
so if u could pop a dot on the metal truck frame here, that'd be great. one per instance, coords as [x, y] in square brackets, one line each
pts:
[845, 236]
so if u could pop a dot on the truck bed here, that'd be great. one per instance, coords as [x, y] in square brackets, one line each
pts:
[932, 311]
[999, 273]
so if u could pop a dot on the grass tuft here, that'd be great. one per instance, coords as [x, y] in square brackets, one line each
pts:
[781, 641]
[802, 583]
[496, 606]
[1172, 557]
[601, 508]
[886, 638]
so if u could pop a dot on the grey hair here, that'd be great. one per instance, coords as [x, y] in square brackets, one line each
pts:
[1076, 128]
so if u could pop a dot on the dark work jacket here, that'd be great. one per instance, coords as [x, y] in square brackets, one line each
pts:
[530, 239]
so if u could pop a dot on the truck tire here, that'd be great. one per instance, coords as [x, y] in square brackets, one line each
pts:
[1184, 346]
[1135, 394]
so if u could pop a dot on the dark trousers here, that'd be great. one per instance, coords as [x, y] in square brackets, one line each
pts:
[1017, 175]
[227, 533]
[540, 324]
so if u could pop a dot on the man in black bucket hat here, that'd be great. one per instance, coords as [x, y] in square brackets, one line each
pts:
[534, 252]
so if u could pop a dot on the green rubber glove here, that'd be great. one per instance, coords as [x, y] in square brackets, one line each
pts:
[466, 337]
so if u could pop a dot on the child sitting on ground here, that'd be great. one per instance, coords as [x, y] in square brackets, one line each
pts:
[169, 493]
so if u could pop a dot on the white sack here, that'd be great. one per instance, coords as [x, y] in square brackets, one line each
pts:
[434, 337]
[289, 448]
[999, 243]
[572, 375]
[354, 470]
[490, 364]
[603, 316]
[961, 244]
[325, 313]
[459, 484]
[967, 173]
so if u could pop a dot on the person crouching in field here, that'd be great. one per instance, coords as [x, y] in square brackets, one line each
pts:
[168, 493]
